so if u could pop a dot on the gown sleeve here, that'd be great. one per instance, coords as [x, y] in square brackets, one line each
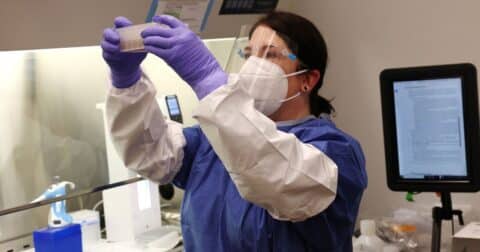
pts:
[147, 143]
[292, 180]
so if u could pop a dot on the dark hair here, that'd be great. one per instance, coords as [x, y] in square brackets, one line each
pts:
[304, 39]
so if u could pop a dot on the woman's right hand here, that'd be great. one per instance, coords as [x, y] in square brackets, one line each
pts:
[124, 66]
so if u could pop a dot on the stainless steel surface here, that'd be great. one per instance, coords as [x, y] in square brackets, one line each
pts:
[69, 196]
[18, 243]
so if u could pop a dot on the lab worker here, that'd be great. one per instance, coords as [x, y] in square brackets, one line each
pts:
[265, 169]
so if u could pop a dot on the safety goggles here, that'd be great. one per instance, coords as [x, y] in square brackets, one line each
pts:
[268, 52]
[266, 44]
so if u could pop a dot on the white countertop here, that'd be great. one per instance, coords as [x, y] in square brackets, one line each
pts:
[151, 242]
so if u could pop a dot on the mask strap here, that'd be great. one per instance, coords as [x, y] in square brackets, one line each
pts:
[292, 97]
[298, 93]
[295, 73]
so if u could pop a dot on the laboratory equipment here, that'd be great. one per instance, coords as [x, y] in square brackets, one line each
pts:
[57, 216]
[400, 233]
[130, 36]
[131, 210]
[231, 7]
[368, 240]
[431, 135]
[391, 248]
[430, 119]
[166, 241]
[467, 239]
[193, 13]
[65, 238]
[173, 108]
[89, 221]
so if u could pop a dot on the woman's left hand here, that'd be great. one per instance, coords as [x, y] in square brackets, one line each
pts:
[183, 50]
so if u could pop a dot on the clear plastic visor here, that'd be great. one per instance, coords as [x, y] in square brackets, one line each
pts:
[266, 44]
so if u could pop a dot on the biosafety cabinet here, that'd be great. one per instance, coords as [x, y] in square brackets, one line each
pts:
[52, 78]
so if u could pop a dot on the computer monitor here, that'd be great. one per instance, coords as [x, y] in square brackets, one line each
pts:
[430, 123]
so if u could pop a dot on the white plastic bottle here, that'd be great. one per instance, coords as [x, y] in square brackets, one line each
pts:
[391, 248]
[368, 241]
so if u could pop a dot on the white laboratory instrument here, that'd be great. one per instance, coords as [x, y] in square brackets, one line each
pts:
[89, 221]
[131, 210]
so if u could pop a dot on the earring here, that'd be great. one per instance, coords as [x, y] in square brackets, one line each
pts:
[305, 88]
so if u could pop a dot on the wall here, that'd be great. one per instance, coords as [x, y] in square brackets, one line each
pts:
[367, 36]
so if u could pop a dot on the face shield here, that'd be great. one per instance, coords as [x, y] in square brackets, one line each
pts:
[262, 65]
[266, 44]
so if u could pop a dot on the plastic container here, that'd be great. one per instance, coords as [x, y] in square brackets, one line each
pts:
[89, 221]
[368, 241]
[130, 36]
[67, 238]
[391, 248]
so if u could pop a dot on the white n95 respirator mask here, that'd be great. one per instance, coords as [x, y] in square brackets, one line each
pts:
[266, 83]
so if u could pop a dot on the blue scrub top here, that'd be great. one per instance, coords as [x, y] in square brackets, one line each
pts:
[215, 217]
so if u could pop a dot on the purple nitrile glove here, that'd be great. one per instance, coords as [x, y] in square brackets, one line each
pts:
[124, 66]
[183, 50]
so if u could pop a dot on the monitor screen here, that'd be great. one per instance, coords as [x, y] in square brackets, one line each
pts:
[172, 104]
[430, 129]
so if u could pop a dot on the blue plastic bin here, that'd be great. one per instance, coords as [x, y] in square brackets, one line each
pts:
[68, 239]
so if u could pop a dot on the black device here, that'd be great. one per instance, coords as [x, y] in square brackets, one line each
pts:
[166, 191]
[174, 108]
[430, 124]
[431, 135]
[247, 6]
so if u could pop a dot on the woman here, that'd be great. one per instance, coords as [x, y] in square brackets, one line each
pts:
[265, 170]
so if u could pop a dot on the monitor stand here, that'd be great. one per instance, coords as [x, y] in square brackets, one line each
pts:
[445, 212]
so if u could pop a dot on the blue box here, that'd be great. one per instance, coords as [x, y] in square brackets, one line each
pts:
[68, 238]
